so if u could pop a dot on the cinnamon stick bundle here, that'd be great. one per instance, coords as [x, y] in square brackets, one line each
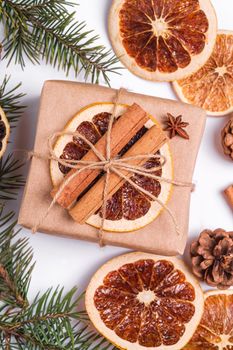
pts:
[149, 143]
[122, 132]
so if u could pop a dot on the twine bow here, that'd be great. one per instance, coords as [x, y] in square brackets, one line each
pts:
[108, 165]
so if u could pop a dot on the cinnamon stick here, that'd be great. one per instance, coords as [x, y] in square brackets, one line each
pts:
[122, 132]
[229, 195]
[150, 143]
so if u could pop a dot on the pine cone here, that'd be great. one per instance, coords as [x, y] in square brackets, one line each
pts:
[227, 139]
[212, 258]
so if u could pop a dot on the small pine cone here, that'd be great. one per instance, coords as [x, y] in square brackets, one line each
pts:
[212, 258]
[227, 139]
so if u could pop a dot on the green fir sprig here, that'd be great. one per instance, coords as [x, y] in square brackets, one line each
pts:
[52, 320]
[10, 101]
[11, 179]
[48, 29]
[15, 264]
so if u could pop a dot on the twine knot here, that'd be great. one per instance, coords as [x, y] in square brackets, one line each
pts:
[109, 165]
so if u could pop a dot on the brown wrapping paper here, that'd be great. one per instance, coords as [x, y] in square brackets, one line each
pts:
[61, 100]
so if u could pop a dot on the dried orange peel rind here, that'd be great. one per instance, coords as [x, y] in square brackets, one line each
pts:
[5, 132]
[129, 198]
[143, 301]
[212, 86]
[215, 331]
[162, 40]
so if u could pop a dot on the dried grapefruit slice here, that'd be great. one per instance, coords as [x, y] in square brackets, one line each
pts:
[128, 209]
[215, 330]
[4, 132]
[212, 86]
[162, 40]
[143, 301]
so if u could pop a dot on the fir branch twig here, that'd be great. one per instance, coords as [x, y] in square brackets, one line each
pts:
[15, 264]
[10, 178]
[47, 29]
[52, 321]
[10, 101]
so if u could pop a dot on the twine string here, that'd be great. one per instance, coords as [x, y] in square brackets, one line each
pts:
[107, 164]
[147, 193]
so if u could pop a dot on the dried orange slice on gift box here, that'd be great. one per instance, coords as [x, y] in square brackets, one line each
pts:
[212, 86]
[215, 331]
[128, 209]
[143, 301]
[4, 132]
[162, 40]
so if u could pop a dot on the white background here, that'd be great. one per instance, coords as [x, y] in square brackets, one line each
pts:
[71, 263]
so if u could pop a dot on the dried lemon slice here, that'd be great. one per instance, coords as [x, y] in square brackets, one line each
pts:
[4, 132]
[162, 39]
[143, 301]
[215, 331]
[212, 86]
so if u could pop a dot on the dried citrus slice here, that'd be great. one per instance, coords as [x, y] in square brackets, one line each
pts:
[215, 331]
[212, 86]
[143, 301]
[128, 209]
[162, 39]
[4, 132]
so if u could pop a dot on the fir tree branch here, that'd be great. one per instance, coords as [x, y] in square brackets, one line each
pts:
[38, 28]
[15, 264]
[10, 178]
[52, 321]
[10, 101]
[47, 321]
[48, 324]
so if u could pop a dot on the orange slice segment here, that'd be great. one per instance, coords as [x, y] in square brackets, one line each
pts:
[143, 301]
[4, 132]
[215, 330]
[212, 86]
[162, 39]
[128, 209]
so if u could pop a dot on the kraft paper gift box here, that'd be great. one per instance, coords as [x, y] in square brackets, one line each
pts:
[60, 101]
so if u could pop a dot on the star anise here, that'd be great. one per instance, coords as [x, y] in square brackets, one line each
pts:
[176, 126]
